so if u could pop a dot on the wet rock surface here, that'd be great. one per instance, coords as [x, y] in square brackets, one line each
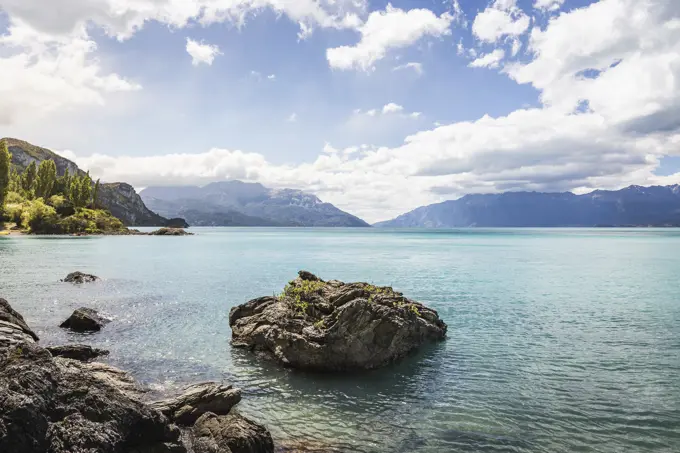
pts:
[81, 352]
[84, 320]
[197, 400]
[334, 326]
[232, 433]
[79, 278]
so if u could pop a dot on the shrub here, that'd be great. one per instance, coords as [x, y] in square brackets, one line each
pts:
[14, 197]
[40, 218]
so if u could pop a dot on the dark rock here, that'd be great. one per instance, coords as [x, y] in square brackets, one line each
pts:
[170, 232]
[58, 405]
[198, 399]
[14, 320]
[177, 222]
[81, 352]
[80, 277]
[334, 326]
[306, 275]
[232, 433]
[85, 320]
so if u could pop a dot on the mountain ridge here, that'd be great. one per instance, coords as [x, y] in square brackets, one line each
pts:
[631, 206]
[238, 203]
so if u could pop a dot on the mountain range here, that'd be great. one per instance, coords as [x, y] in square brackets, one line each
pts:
[236, 203]
[631, 206]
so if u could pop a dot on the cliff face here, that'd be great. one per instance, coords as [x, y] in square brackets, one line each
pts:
[123, 202]
[119, 198]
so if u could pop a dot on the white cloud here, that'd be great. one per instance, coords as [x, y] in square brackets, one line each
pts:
[489, 60]
[271, 77]
[39, 75]
[392, 28]
[392, 108]
[292, 118]
[48, 62]
[548, 5]
[501, 19]
[202, 53]
[417, 67]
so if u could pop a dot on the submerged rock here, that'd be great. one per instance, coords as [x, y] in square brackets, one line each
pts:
[335, 326]
[81, 352]
[80, 277]
[198, 399]
[232, 433]
[85, 320]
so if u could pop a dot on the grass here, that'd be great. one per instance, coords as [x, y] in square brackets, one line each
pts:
[299, 293]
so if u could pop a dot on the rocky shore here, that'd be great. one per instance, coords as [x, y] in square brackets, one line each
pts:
[334, 326]
[55, 400]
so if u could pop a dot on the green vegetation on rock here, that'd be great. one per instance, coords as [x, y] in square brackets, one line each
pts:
[42, 203]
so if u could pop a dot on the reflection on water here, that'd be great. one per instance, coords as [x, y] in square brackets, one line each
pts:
[559, 340]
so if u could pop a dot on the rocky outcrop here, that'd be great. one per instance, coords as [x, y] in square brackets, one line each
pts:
[334, 326]
[197, 400]
[84, 320]
[59, 405]
[232, 433]
[54, 404]
[80, 278]
[81, 352]
[170, 232]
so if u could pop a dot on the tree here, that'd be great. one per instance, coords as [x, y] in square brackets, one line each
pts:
[28, 179]
[63, 184]
[15, 181]
[95, 194]
[5, 162]
[80, 192]
[47, 177]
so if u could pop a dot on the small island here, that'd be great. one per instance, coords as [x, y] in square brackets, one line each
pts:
[334, 326]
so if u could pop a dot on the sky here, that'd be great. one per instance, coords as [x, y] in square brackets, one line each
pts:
[377, 107]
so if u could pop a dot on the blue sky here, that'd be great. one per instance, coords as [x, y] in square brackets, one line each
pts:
[484, 95]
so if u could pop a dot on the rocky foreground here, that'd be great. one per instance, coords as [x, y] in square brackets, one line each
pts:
[334, 326]
[50, 402]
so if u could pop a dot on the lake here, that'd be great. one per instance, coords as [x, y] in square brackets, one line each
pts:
[560, 340]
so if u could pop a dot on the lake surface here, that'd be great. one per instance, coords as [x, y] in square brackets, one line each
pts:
[560, 340]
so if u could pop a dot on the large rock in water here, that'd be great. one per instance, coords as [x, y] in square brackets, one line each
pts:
[84, 320]
[334, 326]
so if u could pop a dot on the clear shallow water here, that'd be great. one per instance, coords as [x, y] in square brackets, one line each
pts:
[559, 340]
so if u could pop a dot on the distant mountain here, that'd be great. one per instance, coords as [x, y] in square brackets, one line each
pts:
[119, 198]
[236, 203]
[632, 206]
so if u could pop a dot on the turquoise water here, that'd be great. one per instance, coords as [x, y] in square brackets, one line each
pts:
[559, 340]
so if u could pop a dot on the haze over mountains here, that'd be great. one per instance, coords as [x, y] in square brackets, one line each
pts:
[236, 203]
[632, 206]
